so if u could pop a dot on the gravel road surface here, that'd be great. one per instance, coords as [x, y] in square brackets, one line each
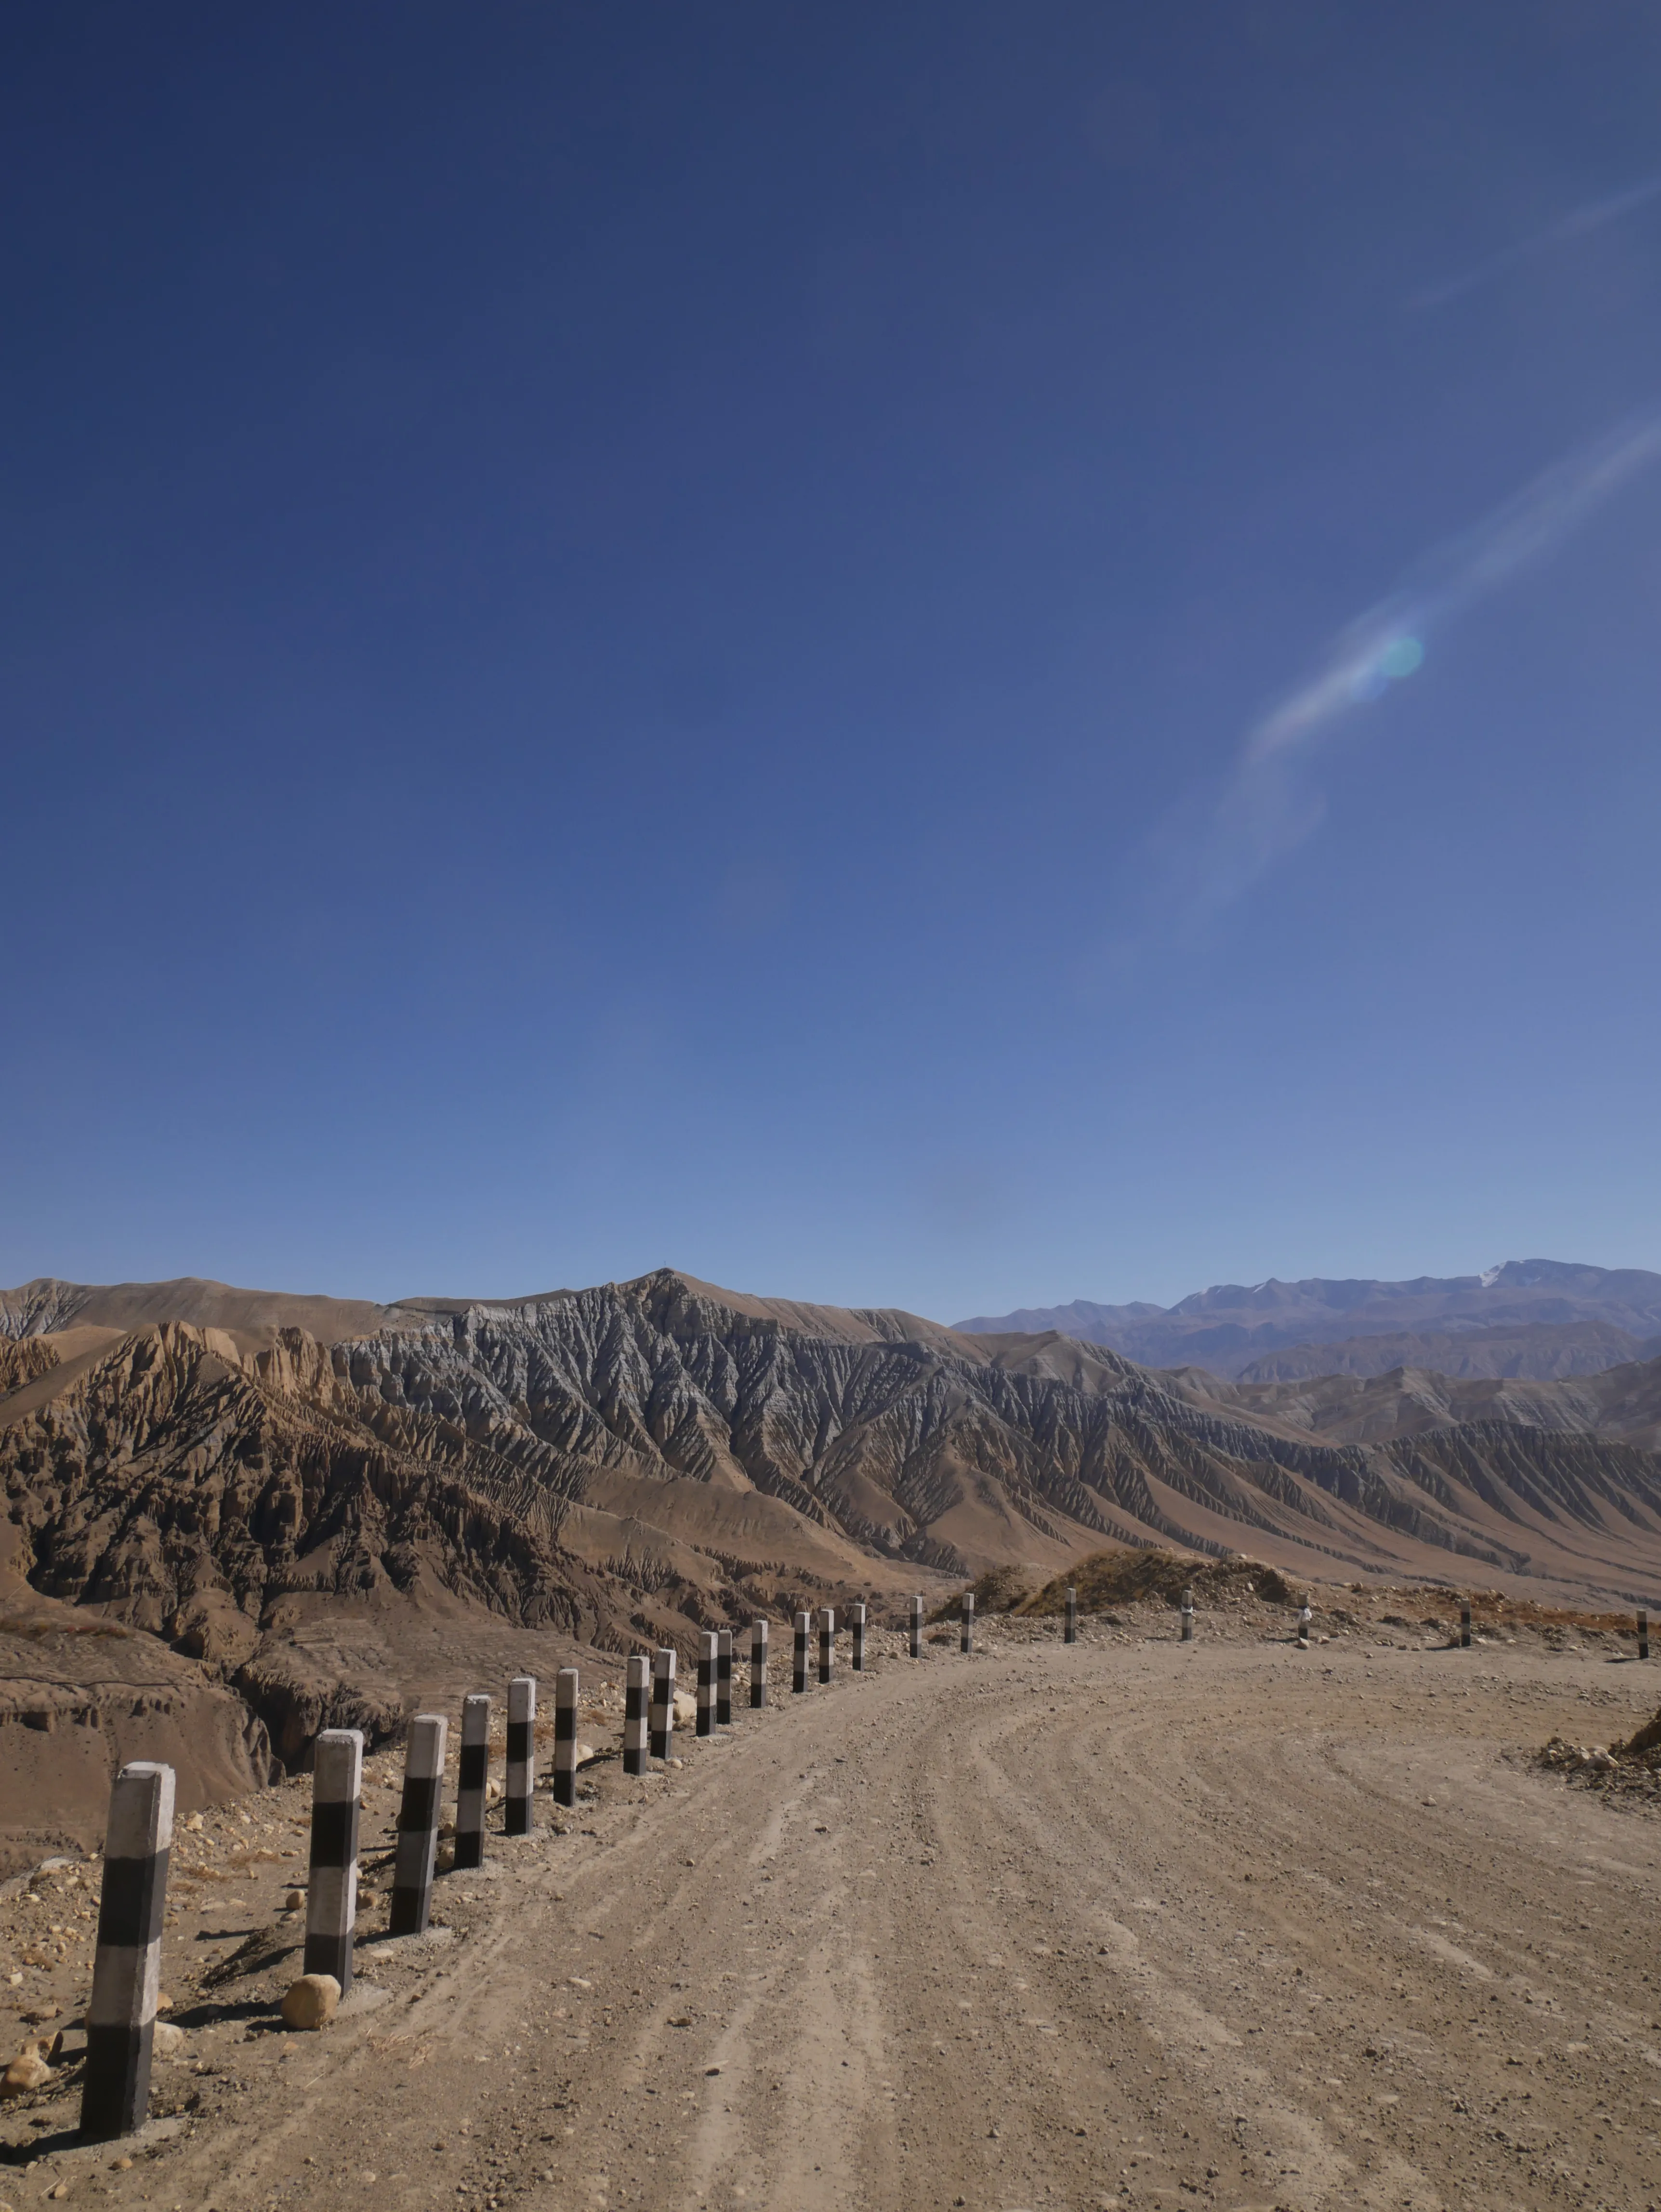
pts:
[1123, 1924]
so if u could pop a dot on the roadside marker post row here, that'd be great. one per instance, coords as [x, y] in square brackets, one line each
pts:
[663, 1703]
[332, 1877]
[634, 1697]
[566, 1685]
[115, 2094]
[521, 1755]
[417, 1826]
[472, 1773]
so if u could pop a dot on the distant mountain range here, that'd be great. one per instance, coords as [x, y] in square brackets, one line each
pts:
[1536, 1318]
[637, 1461]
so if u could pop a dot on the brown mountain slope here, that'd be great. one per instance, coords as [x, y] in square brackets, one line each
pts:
[1542, 1350]
[1621, 1403]
[632, 1459]
[47, 1306]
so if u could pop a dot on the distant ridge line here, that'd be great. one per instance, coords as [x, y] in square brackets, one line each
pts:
[1537, 1318]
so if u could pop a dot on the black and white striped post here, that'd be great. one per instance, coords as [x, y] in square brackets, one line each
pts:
[1304, 1618]
[916, 1628]
[418, 1825]
[115, 2092]
[521, 1755]
[966, 1615]
[1464, 1625]
[757, 1664]
[566, 1683]
[856, 1619]
[472, 1773]
[723, 1678]
[635, 1693]
[331, 1882]
[707, 1682]
[827, 1641]
[799, 1672]
[1643, 1632]
[663, 1703]
[1070, 1633]
[1188, 1614]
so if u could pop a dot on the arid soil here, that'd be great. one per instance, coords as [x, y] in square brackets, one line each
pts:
[1127, 1923]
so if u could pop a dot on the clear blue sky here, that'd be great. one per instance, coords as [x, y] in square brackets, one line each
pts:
[662, 634]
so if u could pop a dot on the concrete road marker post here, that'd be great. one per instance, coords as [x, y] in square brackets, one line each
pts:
[827, 1641]
[856, 1617]
[1070, 1633]
[707, 1682]
[115, 2092]
[566, 1684]
[1188, 1615]
[331, 1881]
[663, 1703]
[1304, 1618]
[799, 1672]
[1642, 1631]
[1464, 1625]
[724, 1678]
[916, 1628]
[634, 1715]
[758, 1631]
[521, 1755]
[418, 1825]
[966, 1614]
[473, 1773]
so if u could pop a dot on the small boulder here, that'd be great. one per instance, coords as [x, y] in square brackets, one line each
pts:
[493, 1791]
[686, 1710]
[295, 1901]
[26, 2073]
[167, 2041]
[312, 2001]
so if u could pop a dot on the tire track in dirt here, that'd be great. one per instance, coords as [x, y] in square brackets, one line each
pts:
[1052, 1926]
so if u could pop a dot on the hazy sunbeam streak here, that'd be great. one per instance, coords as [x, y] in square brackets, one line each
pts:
[1270, 803]
[1578, 221]
[1388, 643]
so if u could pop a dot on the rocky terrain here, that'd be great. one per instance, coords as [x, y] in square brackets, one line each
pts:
[292, 1523]
[1537, 1318]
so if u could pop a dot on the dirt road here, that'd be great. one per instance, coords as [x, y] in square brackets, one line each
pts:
[1124, 1923]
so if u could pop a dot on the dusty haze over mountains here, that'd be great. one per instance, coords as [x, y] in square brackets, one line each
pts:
[1529, 1318]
